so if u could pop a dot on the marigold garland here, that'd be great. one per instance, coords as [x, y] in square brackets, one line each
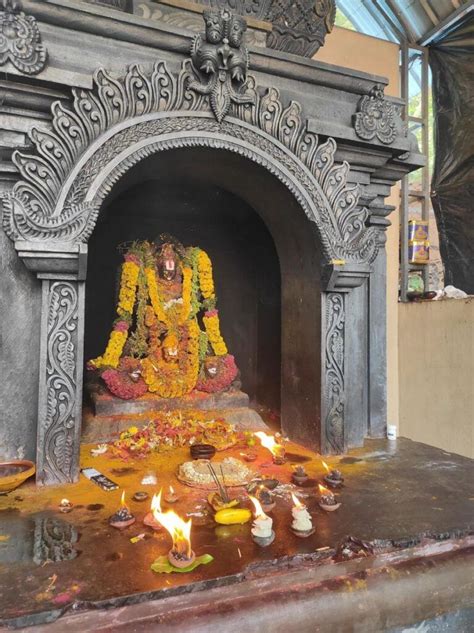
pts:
[113, 351]
[128, 286]
[211, 323]
[166, 316]
[126, 302]
[173, 380]
[206, 280]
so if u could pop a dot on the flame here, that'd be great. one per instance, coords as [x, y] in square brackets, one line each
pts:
[179, 530]
[122, 500]
[268, 441]
[325, 491]
[258, 508]
[296, 502]
[171, 490]
[325, 466]
[155, 507]
[64, 502]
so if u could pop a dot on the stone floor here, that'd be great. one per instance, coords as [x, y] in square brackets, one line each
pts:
[396, 495]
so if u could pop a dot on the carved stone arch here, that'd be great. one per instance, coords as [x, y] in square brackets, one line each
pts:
[52, 201]
[52, 210]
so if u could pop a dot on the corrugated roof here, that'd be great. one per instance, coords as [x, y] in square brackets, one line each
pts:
[418, 21]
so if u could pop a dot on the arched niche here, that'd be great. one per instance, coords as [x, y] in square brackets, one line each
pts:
[271, 316]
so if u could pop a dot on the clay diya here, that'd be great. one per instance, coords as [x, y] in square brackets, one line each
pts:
[155, 508]
[250, 456]
[266, 498]
[333, 477]
[299, 476]
[181, 554]
[171, 496]
[123, 517]
[65, 506]
[268, 482]
[277, 450]
[140, 496]
[327, 500]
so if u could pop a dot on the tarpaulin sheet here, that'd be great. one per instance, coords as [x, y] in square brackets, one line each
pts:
[452, 187]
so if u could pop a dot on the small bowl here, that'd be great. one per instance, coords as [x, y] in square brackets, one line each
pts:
[14, 473]
[202, 451]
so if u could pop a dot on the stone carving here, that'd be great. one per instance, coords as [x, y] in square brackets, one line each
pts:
[299, 26]
[53, 541]
[248, 8]
[376, 117]
[20, 39]
[57, 431]
[52, 202]
[221, 62]
[334, 376]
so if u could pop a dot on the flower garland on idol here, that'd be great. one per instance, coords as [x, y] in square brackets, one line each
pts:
[156, 343]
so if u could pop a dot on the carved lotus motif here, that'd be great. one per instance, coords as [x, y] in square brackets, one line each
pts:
[20, 41]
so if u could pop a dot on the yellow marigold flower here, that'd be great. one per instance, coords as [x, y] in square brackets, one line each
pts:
[206, 281]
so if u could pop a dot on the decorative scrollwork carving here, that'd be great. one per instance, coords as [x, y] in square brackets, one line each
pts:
[334, 377]
[20, 39]
[54, 541]
[56, 198]
[300, 26]
[221, 61]
[57, 432]
[376, 117]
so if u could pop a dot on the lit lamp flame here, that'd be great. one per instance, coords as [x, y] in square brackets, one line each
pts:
[171, 490]
[122, 500]
[258, 508]
[179, 530]
[325, 466]
[155, 507]
[296, 502]
[324, 491]
[268, 441]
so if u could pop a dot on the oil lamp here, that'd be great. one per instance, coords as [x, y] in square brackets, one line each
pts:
[123, 517]
[302, 525]
[327, 500]
[277, 450]
[140, 496]
[266, 498]
[299, 476]
[262, 532]
[249, 456]
[333, 477]
[65, 506]
[171, 496]
[180, 555]
[155, 508]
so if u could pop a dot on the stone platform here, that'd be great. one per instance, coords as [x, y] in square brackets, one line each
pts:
[109, 415]
[410, 503]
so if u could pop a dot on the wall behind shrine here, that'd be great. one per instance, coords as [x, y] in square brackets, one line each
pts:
[370, 54]
[436, 352]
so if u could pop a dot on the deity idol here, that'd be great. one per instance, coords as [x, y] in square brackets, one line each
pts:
[157, 343]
